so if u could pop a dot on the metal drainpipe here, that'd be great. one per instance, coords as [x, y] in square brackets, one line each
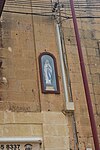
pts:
[85, 81]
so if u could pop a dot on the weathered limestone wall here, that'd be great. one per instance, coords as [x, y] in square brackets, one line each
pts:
[19, 65]
[25, 111]
[24, 38]
[89, 30]
[52, 127]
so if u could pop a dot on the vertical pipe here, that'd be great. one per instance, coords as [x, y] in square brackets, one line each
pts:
[62, 63]
[85, 81]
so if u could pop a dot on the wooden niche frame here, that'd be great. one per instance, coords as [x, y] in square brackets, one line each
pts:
[2, 2]
[48, 73]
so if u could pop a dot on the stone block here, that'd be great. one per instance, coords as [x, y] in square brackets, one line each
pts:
[56, 142]
[36, 130]
[74, 68]
[16, 130]
[2, 117]
[28, 117]
[91, 52]
[23, 107]
[91, 88]
[97, 99]
[9, 117]
[90, 42]
[96, 78]
[54, 118]
[97, 34]
[1, 130]
[55, 130]
[94, 70]
[97, 89]
[98, 109]
[53, 102]
[3, 105]
[73, 59]
[75, 77]
[78, 91]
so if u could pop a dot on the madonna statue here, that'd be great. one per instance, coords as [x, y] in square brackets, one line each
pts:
[47, 72]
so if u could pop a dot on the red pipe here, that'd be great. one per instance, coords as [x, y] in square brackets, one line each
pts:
[85, 81]
[2, 2]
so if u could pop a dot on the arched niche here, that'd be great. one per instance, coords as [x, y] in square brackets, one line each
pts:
[48, 73]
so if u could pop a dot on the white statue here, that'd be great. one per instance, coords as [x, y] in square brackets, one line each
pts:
[47, 72]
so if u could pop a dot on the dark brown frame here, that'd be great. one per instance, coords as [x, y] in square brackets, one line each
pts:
[56, 74]
[2, 2]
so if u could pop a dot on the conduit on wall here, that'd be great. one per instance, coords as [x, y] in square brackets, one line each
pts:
[62, 64]
[85, 81]
[69, 104]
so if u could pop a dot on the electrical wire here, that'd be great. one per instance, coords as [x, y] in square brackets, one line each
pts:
[68, 8]
[82, 8]
[42, 14]
[27, 13]
[49, 3]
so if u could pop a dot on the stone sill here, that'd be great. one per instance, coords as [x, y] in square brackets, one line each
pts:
[21, 139]
[70, 106]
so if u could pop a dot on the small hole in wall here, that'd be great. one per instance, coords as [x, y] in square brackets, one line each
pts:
[48, 109]
[68, 39]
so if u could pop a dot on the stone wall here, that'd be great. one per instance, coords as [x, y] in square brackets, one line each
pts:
[25, 110]
[52, 127]
[24, 38]
[90, 41]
